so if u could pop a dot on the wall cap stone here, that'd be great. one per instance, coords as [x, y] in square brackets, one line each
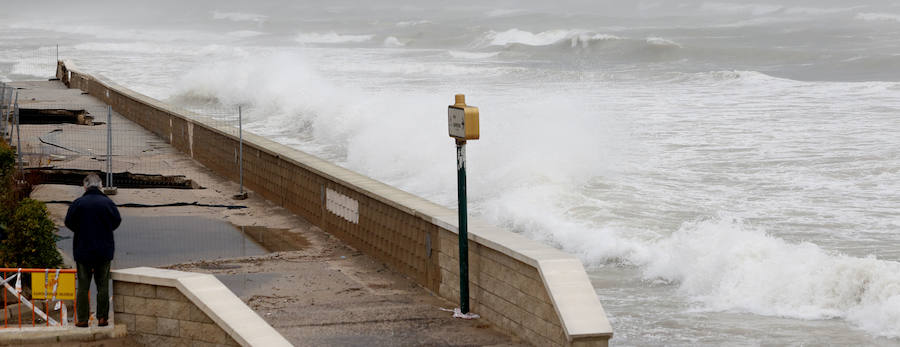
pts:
[213, 298]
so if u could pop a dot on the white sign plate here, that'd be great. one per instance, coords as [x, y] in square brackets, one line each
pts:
[457, 120]
[342, 205]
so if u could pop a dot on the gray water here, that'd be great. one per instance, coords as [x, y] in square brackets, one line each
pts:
[729, 172]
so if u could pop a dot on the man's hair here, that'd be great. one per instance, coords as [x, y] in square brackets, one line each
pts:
[92, 181]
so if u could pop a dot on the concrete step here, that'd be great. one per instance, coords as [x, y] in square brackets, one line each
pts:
[60, 336]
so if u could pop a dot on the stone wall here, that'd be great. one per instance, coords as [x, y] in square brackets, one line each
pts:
[174, 308]
[162, 316]
[525, 288]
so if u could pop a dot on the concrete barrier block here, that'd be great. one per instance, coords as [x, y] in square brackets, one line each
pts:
[167, 327]
[197, 315]
[118, 302]
[145, 324]
[212, 333]
[170, 293]
[123, 288]
[145, 290]
[126, 318]
[134, 305]
[537, 324]
[190, 330]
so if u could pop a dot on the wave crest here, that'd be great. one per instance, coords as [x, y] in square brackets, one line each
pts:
[574, 37]
[727, 266]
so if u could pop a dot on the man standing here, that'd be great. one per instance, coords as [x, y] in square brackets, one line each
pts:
[92, 218]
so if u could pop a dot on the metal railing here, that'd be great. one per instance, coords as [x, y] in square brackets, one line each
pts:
[51, 287]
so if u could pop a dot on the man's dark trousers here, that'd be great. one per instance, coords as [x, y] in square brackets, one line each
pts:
[100, 272]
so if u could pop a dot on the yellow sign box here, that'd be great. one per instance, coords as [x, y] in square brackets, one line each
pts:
[462, 119]
[65, 289]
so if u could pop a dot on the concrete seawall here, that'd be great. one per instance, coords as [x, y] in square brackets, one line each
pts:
[525, 288]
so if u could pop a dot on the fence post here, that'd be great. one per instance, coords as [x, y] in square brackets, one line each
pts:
[241, 146]
[18, 138]
[2, 112]
[110, 188]
[10, 116]
[5, 112]
[241, 195]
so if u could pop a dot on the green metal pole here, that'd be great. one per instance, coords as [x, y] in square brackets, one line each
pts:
[463, 227]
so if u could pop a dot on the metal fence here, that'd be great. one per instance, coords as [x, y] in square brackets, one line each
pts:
[93, 138]
[8, 114]
[58, 143]
[33, 303]
[228, 119]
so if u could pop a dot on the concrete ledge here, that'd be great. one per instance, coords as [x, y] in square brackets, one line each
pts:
[53, 335]
[214, 299]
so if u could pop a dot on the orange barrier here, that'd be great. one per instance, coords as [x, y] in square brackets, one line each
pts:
[51, 279]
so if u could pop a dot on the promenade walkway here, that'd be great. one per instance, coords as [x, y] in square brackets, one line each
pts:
[311, 287]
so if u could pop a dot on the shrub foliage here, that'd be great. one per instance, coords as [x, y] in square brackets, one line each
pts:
[27, 235]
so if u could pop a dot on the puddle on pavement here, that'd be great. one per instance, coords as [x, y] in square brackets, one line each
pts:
[166, 240]
[274, 239]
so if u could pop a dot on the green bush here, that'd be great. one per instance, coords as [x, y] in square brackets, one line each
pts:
[30, 235]
[31, 238]
[7, 197]
[7, 162]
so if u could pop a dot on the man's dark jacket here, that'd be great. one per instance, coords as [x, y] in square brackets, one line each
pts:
[92, 218]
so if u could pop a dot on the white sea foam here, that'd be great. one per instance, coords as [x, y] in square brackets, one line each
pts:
[658, 41]
[412, 23]
[722, 264]
[392, 41]
[472, 55]
[574, 37]
[407, 68]
[727, 266]
[243, 34]
[331, 37]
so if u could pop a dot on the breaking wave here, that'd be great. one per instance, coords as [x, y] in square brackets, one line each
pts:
[472, 55]
[725, 265]
[393, 41]
[574, 38]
